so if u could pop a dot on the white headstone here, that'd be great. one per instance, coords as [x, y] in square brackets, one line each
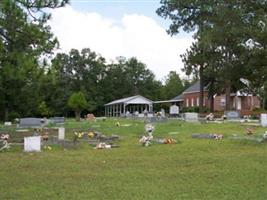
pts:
[191, 117]
[32, 143]
[162, 112]
[263, 120]
[61, 133]
[174, 110]
[7, 123]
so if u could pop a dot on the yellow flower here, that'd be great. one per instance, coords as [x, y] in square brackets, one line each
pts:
[91, 134]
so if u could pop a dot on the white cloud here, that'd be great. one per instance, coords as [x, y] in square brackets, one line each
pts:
[134, 35]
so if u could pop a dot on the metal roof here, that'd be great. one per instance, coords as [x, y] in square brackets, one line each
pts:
[178, 98]
[128, 99]
[194, 88]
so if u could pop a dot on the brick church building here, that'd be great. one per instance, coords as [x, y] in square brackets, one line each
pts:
[239, 101]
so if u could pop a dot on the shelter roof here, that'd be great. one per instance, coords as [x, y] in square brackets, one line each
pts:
[138, 99]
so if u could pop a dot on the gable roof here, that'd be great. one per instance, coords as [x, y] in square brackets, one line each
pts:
[194, 88]
[178, 98]
[137, 99]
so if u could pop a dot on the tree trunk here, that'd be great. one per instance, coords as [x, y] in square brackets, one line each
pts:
[201, 89]
[211, 103]
[78, 115]
[227, 95]
[6, 114]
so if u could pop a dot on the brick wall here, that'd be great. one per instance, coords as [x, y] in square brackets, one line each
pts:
[192, 99]
[247, 102]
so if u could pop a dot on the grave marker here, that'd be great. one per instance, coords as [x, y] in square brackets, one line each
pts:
[61, 133]
[232, 114]
[263, 120]
[32, 143]
[174, 110]
[191, 117]
[57, 120]
[31, 122]
[8, 124]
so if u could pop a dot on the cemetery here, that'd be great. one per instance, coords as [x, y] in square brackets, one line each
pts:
[173, 109]
[108, 152]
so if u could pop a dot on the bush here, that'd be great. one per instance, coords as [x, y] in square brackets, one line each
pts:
[13, 115]
[258, 109]
[195, 109]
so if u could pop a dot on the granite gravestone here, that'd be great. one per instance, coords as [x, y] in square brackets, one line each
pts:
[31, 122]
[232, 114]
[191, 117]
[57, 120]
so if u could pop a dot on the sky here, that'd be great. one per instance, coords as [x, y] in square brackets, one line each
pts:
[113, 28]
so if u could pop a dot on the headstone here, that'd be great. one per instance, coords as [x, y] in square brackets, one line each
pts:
[149, 115]
[31, 122]
[8, 124]
[145, 112]
[141, 115]
[263, 120]
[191, 117]
[57, 120]
[174, 110]
[128, 114]
[232, 114]
[162, 112]
[32, 143]
[61, 133]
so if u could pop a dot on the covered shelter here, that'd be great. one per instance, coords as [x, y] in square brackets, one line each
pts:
[168, 104]
[131, 105]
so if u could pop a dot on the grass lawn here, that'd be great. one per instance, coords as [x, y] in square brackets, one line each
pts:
[193, 169]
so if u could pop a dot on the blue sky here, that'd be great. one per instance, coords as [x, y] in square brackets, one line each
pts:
[117, 8]
[113, 28]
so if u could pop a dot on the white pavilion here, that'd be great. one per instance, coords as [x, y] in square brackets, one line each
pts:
[131, 105]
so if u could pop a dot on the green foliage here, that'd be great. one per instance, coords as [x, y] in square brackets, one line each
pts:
[24, 38]
[77, 101]
[195, 109]
[87, 71]
[44, 110]
[173, 85]
[229, 36]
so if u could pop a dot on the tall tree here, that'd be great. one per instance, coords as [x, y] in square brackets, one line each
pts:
[78, 103]
[223, 24]
[173, 85]
[24, 37]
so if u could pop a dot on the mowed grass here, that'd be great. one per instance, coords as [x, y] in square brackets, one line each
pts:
[192, 169]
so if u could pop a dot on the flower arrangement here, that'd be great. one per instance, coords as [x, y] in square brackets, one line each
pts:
[4, 139]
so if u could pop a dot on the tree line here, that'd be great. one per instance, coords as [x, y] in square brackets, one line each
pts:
[34, 82]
